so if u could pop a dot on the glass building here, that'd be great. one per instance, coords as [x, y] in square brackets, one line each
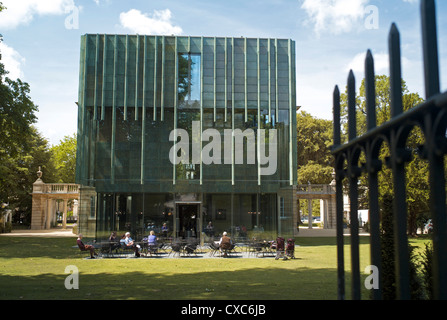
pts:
[186, 131]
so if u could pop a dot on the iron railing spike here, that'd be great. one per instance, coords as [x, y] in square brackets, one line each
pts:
[430, 48]
[370, 91]
[352, 122]
[395, 71]
[336, 112]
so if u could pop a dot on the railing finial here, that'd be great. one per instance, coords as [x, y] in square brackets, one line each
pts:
[430, 48]
[370, 91]
[395, 71]
[336, 112]
[352, 121]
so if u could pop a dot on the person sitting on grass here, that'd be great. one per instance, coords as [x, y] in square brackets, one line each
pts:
[86, 247]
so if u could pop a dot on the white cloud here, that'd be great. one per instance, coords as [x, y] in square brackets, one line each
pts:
[381, 63]
[142, 23]
[334, 16]
[12, 60]
[23, 11]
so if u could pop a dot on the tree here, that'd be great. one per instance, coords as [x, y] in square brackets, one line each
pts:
[416, 170]
[17, 114]
[315, 161]
[22, 148]
[22, 173]
[314, 137]
[64, 159]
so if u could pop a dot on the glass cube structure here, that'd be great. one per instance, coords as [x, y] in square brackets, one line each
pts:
[186, 132]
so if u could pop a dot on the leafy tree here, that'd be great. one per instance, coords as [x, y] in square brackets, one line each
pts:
[416, 170]
[22, 149]
[22, 173]
[315, 161]
[64, 159]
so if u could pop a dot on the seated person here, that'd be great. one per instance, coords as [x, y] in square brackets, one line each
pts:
[113, 241]
[225, 243]
[164, 230]
[209, 230]
[130, 243]
[123, 240]
[85, 247]
[152, 241]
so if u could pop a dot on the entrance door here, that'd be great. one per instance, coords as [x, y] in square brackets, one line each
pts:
[188, 220]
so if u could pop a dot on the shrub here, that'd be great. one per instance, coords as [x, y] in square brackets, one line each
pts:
[426, 264]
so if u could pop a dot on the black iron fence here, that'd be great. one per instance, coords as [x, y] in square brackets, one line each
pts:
[431, 118]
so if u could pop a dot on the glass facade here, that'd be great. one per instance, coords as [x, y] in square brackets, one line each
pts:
[187, 130]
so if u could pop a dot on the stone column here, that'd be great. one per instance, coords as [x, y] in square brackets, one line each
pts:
[64, 214]
[37, 210]
[309, 208]
[332, 205]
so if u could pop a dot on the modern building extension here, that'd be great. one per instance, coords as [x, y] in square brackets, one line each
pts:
[185, 131]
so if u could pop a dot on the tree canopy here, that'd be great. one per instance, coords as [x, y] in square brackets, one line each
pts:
[314, 137]
[64, 159]
[417, 187]
[23, 149]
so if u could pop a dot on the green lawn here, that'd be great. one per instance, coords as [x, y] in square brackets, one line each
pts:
[34, 268]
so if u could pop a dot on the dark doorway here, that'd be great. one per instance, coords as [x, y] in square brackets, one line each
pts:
[188, 219]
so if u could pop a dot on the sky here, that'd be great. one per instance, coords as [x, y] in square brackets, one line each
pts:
[41, 42]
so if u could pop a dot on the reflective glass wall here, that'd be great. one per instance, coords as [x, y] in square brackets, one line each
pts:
[165, 115]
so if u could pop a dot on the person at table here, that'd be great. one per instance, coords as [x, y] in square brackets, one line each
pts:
[85, 247]
[164, 230]
[152, 240]
[113, 241]
[225, 243]
[123, 240]
[130, 243]
[209, 230]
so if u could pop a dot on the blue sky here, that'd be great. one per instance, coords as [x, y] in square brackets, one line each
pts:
[42, 40]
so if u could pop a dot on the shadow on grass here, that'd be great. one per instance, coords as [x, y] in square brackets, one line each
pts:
[55, 248]
[251, 284]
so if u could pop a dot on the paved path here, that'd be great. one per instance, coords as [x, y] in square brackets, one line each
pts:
[49, 233]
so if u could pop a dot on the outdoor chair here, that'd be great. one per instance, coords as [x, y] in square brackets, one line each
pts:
[190, 248]
[152, 248]
[255, 247]
[176, 248]
[213, 248]
[227, 248]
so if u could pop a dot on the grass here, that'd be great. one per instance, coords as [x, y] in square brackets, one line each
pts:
[34, 268]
